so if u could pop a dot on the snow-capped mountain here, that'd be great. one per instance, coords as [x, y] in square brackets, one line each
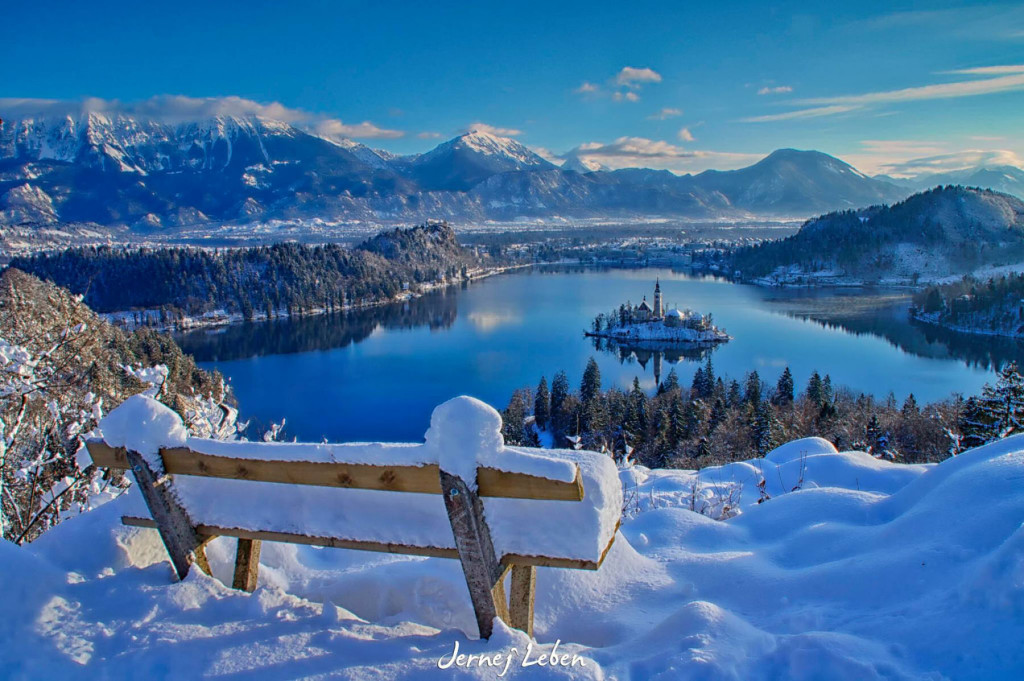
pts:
[582, 164]
[461, 163]
[1004, 178]
[129, 170]
[790, 181]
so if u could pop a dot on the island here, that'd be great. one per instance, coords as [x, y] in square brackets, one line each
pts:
[642, 323]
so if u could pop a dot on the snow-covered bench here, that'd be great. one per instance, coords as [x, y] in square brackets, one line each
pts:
[505, 509]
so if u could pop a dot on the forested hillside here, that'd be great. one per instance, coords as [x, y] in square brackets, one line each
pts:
[61, 369]
[932, 234]
[993, 307]
[265, 280]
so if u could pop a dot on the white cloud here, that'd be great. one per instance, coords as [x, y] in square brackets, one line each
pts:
[800, 113]
[634, 152]
[685, 135]
[958, 160]
[586, 88]
[429, 135]
[179, 108]
[634, 77]
[626, 97]
[665, 114]
[1004, 78]
[990, 70]
[493, 130]
[332, 127]
[777, 90]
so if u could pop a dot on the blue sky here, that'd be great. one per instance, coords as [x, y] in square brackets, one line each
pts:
[684, 86]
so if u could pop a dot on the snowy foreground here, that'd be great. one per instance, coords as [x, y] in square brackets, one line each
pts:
[870, 570]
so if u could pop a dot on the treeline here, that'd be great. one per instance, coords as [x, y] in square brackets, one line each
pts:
[994, 306]
[716, 420]
[283, 279]
[855, 241]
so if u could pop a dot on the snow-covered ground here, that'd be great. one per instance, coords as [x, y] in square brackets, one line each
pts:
[867, 570]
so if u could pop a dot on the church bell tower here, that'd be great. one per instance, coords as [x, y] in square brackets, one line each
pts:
[659, 311]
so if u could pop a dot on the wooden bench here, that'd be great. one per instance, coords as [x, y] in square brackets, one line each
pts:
[484, 569]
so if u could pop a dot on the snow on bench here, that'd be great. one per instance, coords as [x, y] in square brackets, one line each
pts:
[504, 507]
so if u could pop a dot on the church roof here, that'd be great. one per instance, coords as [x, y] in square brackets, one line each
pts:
[644, 306]
[674, 313]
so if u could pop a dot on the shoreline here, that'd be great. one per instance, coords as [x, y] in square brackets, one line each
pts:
[123, 319]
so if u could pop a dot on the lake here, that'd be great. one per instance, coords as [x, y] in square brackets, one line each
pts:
[376, 374]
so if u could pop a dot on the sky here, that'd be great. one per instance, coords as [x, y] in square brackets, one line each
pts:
[891, 87]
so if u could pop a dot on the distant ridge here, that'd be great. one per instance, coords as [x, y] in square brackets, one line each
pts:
[155, 176]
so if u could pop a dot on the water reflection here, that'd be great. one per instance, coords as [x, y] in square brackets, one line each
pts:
[654, 353]
[436, 310]
[885, 315]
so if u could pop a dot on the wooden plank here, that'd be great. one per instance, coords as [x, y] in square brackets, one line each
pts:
[522, 591]
[201, 560]
[176, 530]
[476, 551]
[403, 549]
[422, 479]
[498, 595]
[308, 540]
[247, 564]
[494, 483]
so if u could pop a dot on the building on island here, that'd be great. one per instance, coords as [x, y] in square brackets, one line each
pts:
[644, 313]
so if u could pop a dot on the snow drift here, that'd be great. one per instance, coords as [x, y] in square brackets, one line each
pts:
[869, 570]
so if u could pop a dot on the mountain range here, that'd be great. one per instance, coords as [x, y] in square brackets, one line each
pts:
[157, 176]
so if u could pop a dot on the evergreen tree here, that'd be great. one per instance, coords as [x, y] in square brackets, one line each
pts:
[1003, 405]
[910, 406]
[752, 390]
[670, 384]
[784, 389]
[974, 424]
[590, 388]
[542, 404]
[562, 418]
[513, 419]
[764, 429]
[699, 387]
[814, 389]
[735, 396]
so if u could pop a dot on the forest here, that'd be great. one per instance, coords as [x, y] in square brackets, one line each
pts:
[278, 280]
[717, 420]
[994, 307]
[964, 226]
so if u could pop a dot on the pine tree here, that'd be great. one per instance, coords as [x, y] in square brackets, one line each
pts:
[590, 388]
[562, 418]
[670, 384]
[513, 419]
[699, 387]
[784, 389]
[542, 404]
[974, 424]
[752, 390]
[1003, 405]
[593, 417]
[764, 429]
[636, 413]
[735, 393]
[814, 390]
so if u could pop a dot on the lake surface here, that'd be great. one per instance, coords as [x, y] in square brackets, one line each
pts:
[377, 374]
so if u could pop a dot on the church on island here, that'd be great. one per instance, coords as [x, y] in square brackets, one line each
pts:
[645, 323]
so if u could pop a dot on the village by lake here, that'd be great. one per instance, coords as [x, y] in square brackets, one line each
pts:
[376, 374]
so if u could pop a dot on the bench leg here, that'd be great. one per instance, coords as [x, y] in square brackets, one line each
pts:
[476, 552]
[247, 564]
[522, 592]
[176, 530]
[200, 554]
